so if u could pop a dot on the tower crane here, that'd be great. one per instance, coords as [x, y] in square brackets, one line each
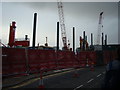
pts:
[62, 25]
[100, 26]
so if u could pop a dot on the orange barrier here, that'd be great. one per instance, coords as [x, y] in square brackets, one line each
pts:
[13, 61]
[86, 57]
[22, 61]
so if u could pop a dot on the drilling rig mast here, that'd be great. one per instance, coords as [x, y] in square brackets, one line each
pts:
[62, 25]
[100, 26]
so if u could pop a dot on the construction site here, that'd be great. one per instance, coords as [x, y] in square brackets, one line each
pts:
[44, 66]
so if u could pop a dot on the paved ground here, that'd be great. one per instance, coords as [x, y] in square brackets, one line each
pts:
[18, 79]
[83, 79]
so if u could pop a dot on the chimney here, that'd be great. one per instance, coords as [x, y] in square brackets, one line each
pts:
[26, 37]
[12, 34]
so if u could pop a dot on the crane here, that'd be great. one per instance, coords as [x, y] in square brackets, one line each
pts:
[100, 26]
[62, 24]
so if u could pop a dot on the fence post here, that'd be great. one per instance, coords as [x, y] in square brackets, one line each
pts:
[26, 56]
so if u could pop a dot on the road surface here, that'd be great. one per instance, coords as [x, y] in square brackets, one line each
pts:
[74, 79]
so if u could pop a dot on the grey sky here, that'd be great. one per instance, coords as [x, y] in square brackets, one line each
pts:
[83, 16]
[119, 23]
[1, 19]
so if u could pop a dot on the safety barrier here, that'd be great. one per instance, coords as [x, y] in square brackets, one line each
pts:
[86, 57]
[13, 61]
[41, 60]
[24, 60]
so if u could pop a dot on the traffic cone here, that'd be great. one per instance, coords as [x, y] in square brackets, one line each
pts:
[87, 63]
[41, 85]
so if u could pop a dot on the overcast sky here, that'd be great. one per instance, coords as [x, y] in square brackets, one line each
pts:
[83, 16]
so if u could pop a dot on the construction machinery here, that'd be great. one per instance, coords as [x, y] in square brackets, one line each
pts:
[81, 44]
[100, 26]
[62, 25]
[14, 42]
